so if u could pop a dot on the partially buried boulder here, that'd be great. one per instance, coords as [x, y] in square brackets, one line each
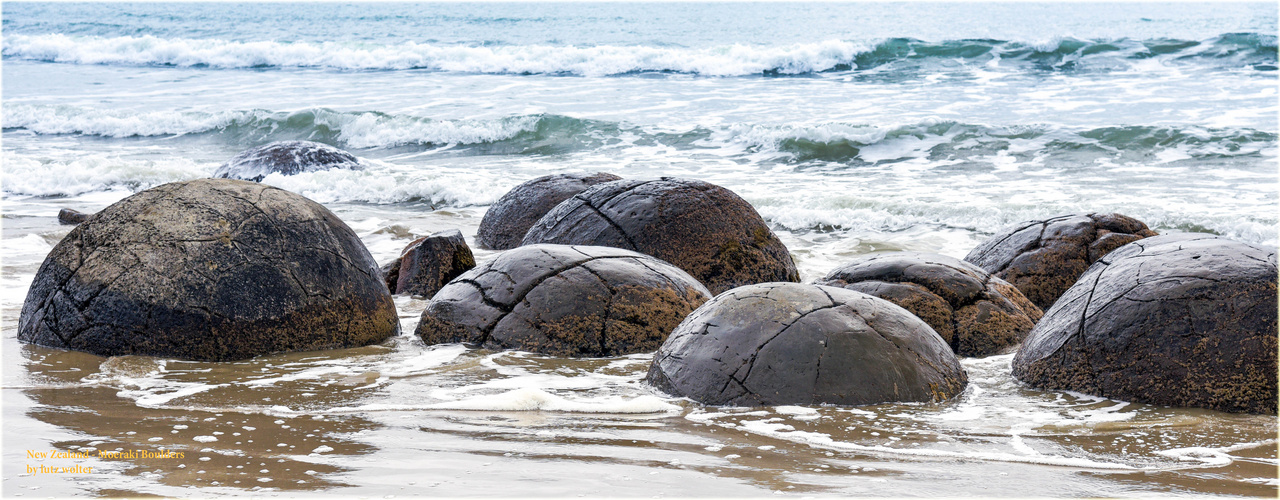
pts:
[710, 232]
[1044, 257]
[506, 222]
[563, 300]
[426, 264]
[285, 158]
[788, 343]
[210, 269]
[71, 217]
[1177, 320]
[976, 313]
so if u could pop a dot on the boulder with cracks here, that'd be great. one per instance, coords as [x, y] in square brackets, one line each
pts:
[506, 222]
[1043, 258]
[573, 301]
[710, 232]
[975, 312]
[1177, 320]
[210, 269]
[285, 158]
[789, 343]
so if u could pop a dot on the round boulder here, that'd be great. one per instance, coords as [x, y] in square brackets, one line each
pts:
[505, 223]
[1177, 320]
[285, 158]
[210, 269]
[1043, 258]
[975, 312]
[710, 232]
[576, 301]
[788, 343]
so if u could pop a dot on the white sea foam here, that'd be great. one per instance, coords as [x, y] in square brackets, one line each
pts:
[23, 175]
[601, 60]
[530, 399]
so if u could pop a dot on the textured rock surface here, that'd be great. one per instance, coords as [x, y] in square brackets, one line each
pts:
[426, 264]
[287, 158]
[787, 343]
[69, 216]
[710, 232]
[506, 222]
[563, 300]
[974, 312]
[1178, 320]
[211, 269]
[1043, 258]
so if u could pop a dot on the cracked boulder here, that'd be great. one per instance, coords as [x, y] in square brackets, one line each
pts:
[212, 270]
[710, 232]
[1176, 320]
[573, 301]
[789, 343]
[285, 158]
[976, 313]
[428, 263]
[1043, 258]
[506, 222]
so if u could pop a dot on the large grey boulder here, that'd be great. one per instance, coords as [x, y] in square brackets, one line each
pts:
[210, 269]
[285, 158]
[1043, 258]
[1177, 320]
[710, 232]
[976, 313]
[563, 300]
[509, 218]
[789, 343]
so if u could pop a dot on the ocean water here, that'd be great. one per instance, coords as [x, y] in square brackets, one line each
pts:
[852, 128]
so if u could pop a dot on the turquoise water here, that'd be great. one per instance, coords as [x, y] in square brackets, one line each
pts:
[852, 128]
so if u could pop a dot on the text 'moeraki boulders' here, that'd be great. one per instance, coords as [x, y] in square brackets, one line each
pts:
[1044, 257]
[563, 300]
[975, 312]
[710, 232]
[210, 269]
[1177, 320]
[789, 343]
[428, 263]
[285, 158]
[506, 222]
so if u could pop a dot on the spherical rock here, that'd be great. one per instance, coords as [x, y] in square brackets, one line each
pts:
[1045, 257]
[428, 263]
[506, 222]
[286, 158]
[578, 301]
[787, 343]
[974, 312]
[710, 232]
[1177, 320]
[210, 269]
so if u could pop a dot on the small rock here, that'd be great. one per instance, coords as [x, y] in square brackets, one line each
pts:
[975, 312]
[506, 222]
[69, 216]
[1176, 320]
[563, 300]
[789, 343]
[426, 264]
[286, 158]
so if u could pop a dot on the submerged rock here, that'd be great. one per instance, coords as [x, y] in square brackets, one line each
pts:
[710, 232]
[788, 343]
[1045, 257]
[563, 300]
[69, 216]
[286, 158]
[1177, 320]
[506, 222]
[428, 263]
[210, 269]
[975, 312]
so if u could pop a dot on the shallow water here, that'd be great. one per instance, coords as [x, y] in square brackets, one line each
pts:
[852, 128]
